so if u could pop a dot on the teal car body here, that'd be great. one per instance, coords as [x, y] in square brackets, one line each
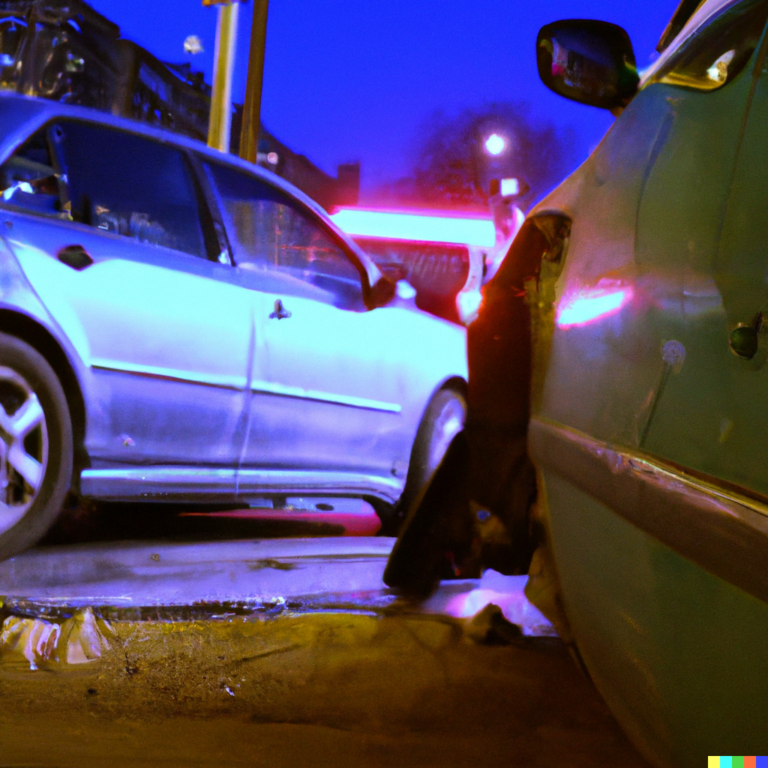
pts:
[649, 415]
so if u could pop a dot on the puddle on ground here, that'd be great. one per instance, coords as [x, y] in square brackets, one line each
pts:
[54, 635]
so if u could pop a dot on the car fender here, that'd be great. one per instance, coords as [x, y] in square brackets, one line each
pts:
[436, 354]
[18, 296]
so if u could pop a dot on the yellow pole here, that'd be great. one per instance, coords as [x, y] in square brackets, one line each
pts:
[224, 58]
[249, 135]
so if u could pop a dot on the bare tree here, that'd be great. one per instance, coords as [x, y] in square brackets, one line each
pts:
[453, 167]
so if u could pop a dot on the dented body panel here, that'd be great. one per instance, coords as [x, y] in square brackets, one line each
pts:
[647, 429]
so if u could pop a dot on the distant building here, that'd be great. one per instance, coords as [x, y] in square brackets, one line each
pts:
[65, 51]
[272, 154]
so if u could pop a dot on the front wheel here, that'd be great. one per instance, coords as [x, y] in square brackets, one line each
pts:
[442, 421]
[35, 446]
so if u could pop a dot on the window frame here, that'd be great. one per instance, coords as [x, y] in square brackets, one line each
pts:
[64, 213]
[205, 212]
[672, 57]
[302, 208]
[226, 254]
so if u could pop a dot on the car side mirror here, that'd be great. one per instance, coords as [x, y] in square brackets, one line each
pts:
[588, 61]
[382, 292]
[405, 291]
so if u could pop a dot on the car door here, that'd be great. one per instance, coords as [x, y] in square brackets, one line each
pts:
[702, 237]
[328, 381]
[124, 268]
[726, 379]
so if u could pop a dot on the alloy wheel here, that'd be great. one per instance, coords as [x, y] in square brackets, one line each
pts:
[23, 447]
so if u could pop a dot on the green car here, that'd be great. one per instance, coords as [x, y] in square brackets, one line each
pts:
[646, 274]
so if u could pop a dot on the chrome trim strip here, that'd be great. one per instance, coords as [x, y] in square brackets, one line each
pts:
[250, 481]
[241, 382]
[140, 482]
[718, 529]
[170, 374]
[283, 390]
[192, 483]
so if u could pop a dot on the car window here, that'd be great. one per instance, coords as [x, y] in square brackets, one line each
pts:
[271, 233]
[12, 33]
[712, 57]
[28, 179]
[132, 186]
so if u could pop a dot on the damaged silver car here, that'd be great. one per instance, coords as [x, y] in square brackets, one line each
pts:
[179, 324]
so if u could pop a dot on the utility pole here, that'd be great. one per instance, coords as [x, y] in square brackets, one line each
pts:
[224, 58]
[249, 133]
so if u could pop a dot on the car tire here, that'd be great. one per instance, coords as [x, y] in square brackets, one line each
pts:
[36, 447]
[436, 527]
[443, 419]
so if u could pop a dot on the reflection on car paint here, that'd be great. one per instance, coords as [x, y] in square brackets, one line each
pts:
[590, 305]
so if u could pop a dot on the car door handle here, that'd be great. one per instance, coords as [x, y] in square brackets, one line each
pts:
[280, 312]
[75, 256]
[743, 339]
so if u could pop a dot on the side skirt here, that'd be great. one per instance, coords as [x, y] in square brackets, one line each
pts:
[205, 484]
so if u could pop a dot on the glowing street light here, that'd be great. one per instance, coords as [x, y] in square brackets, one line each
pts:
[495, 144]
[193, 44]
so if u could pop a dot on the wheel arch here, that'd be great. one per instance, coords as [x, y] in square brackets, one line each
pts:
[456, 383]
[40, 338]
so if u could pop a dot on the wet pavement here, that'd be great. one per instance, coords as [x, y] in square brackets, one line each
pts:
[263, 576]
[279, 651]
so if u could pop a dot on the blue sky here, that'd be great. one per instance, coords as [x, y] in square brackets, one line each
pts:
[354, 79]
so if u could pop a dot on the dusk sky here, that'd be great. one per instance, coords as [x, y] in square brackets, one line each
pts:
[355, 79]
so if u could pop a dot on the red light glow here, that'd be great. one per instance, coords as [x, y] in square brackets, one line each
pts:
[591, 305]
[422, 227]
[353, 524]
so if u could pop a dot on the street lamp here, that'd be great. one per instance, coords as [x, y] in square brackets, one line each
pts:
[495, 144]
[221, 98]
[494, 153]
[224, 60]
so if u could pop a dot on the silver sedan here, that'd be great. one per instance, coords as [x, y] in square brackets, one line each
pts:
[178, 324]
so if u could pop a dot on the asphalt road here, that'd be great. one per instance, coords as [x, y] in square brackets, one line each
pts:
[142, 637]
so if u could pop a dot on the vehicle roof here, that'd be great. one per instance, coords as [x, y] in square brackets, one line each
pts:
[703, 13]
[37, 112]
